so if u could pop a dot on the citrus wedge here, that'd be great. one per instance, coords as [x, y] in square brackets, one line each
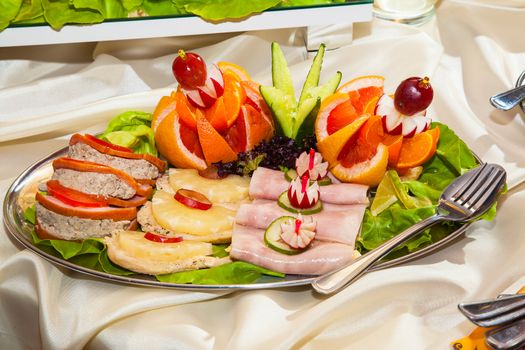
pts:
[214, 146]
[418, 149]
[394, 143]
[385, 196]
[362, 82]
[331, 146]
[178, 143]
[165, 106]
[254, 99]
[185, 110]
[327, 106]
[369, 172]
[235, 69]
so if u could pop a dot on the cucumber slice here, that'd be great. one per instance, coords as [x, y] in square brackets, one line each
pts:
[272, 237]
[324, 181]
[312, 79]
[282, 107]
[284, 203]
[291, 174]
[281, 77]
[304, 109]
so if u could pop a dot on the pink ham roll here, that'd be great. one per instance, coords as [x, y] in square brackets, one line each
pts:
[321, 257]
[269, 184]
[335, 223]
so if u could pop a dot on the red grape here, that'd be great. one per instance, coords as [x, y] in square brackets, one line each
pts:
[413, 95]
[189, 69]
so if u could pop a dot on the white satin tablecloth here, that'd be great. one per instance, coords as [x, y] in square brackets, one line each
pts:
[471, 50]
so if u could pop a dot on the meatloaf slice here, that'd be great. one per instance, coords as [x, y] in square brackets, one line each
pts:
[108, 185]
[56, 226]
[137, 168]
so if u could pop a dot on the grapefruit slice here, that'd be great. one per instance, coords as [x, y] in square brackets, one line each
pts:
[214, 146]
[331, 146]
[362, 90]
[254, 99]
[327, 106]
[235, 69]
[369, 172]
[178, 143]
[165, 106]
[362, 82]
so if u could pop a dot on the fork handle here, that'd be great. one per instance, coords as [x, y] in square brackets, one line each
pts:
[333, 281]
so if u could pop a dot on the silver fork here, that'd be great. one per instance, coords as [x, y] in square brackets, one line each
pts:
[494, 312]
[466, 198]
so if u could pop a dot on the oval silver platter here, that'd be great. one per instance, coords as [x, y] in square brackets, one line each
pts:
[25, 185]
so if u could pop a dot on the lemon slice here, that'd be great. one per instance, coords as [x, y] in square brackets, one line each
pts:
[385, 195]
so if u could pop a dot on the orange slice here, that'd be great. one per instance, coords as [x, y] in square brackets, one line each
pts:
[368, 172]
[331, 146]
[165, 106]
[216, 115]
[223, 113]
[418, 149]
[394, 143]
[214, 146]
[185, 110]
[235, 69]
[178, 143]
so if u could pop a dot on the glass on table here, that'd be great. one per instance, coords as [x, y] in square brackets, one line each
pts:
[404, 11]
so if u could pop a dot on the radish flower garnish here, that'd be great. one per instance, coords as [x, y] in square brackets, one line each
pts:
[303, 194]
[298, 233]
[311, 164]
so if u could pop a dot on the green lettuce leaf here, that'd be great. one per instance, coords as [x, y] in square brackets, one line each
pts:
[60, 12]
[291, 3]
[131, 5]
[238, 272]
[452, 158]
[90, 253]
[162, 8]
[132, 129]
[224, 9]
[8, 11]
[30, 10]
[378, 229]
[107, 8]
[30, 214]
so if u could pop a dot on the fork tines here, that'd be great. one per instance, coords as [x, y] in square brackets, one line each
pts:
[486, 178]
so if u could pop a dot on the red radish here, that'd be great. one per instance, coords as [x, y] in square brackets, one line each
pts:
[204, 95]
[193, 199]
[150, 236]
[395, 123]
[312, 165]
[302, 194]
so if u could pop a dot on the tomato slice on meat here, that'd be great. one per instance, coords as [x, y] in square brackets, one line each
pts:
[108, 144]
[73, 197]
